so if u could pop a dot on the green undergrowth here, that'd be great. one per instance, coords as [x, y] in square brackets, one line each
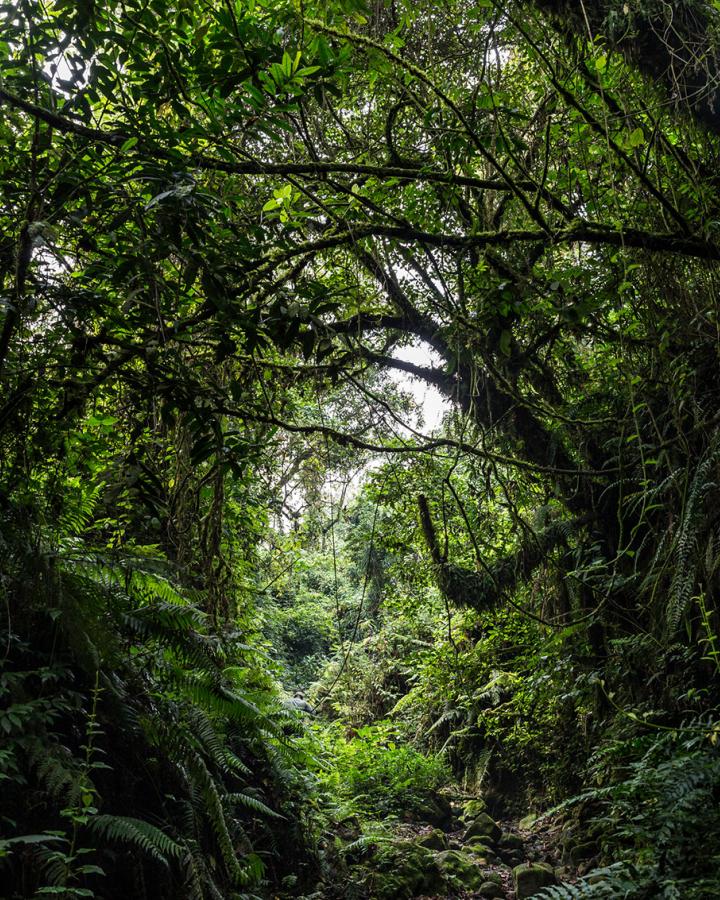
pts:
[376, 772]
[144, 752]
[655, 816]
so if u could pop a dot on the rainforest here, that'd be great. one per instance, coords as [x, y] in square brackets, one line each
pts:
[359, 449]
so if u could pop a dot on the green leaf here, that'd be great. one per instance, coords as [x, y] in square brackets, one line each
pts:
[128, 144]
[635, 139]
[504, 342]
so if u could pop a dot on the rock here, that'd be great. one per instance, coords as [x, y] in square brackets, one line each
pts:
[472, 809]
[530, 877]
[433, 840]
[491, 890]
[483, 826]
[478, 847]
[460, 869]
[405, 870]
[527, 823]
[348, 828]
[495, 877]
[434, 809]
[510, 841]
[582, 852]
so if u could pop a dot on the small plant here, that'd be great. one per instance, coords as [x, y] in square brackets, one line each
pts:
[709, 638]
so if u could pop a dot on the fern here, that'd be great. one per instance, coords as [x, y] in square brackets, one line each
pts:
[58, 770]
[252, 803]
[688, 538]
[140, 834]
[660, 823]
[215, 813]
[617, 880]
[172, 694]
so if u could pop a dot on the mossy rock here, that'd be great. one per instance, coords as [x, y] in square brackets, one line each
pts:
[582, 852]
[494, 877]
[404, 870]
[483, 826]
[479, 848]
[491, 890]
[433, 840]
[472, 809]
[510, 841]
[529, 878]
[460, 870]
[433, 809]
[526, 823]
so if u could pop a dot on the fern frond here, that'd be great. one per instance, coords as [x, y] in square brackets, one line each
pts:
[247, 802]
[138, 833]
[215, 813]
[59, 771]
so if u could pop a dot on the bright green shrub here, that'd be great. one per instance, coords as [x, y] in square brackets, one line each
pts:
[380, 775]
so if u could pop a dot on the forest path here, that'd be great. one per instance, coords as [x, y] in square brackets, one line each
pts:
[471, 855]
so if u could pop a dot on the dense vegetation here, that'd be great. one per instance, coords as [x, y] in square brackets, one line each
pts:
[223, 228]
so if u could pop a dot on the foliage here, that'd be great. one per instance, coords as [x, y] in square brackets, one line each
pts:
[170, 718]
[658, 817]
[222, 228]
[375, 772]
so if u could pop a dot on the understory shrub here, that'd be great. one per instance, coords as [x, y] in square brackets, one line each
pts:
[658, 820]
[380, 775]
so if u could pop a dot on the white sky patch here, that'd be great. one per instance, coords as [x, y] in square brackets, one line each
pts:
[432, 403]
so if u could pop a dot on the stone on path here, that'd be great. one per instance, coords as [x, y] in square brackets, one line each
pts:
[433, 840]
[491, 890]
[483, 826]
[472, 809]
[460, 869]
[510, 841]
[530, 877]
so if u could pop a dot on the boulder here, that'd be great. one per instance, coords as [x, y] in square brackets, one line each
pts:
[434, 809]
[531, 877]
[433, 840]
[510, 841]
[491, 890]
[483, 826]
[472, 808]
[478, 847]
[511, 849]
[582, 852]
[527, 823]
[405, 870]
[460, 870]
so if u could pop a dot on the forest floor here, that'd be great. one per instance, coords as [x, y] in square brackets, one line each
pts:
[475, 856]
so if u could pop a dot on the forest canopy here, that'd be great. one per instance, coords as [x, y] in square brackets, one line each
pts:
[226, 229]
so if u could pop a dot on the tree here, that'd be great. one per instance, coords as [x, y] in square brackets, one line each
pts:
[513, 210]
[220, 220]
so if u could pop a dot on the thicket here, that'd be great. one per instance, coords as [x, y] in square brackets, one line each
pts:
[222, 227]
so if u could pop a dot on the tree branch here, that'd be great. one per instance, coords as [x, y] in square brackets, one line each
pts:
[317, 168]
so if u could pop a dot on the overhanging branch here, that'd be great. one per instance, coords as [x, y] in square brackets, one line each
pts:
[317, 168]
